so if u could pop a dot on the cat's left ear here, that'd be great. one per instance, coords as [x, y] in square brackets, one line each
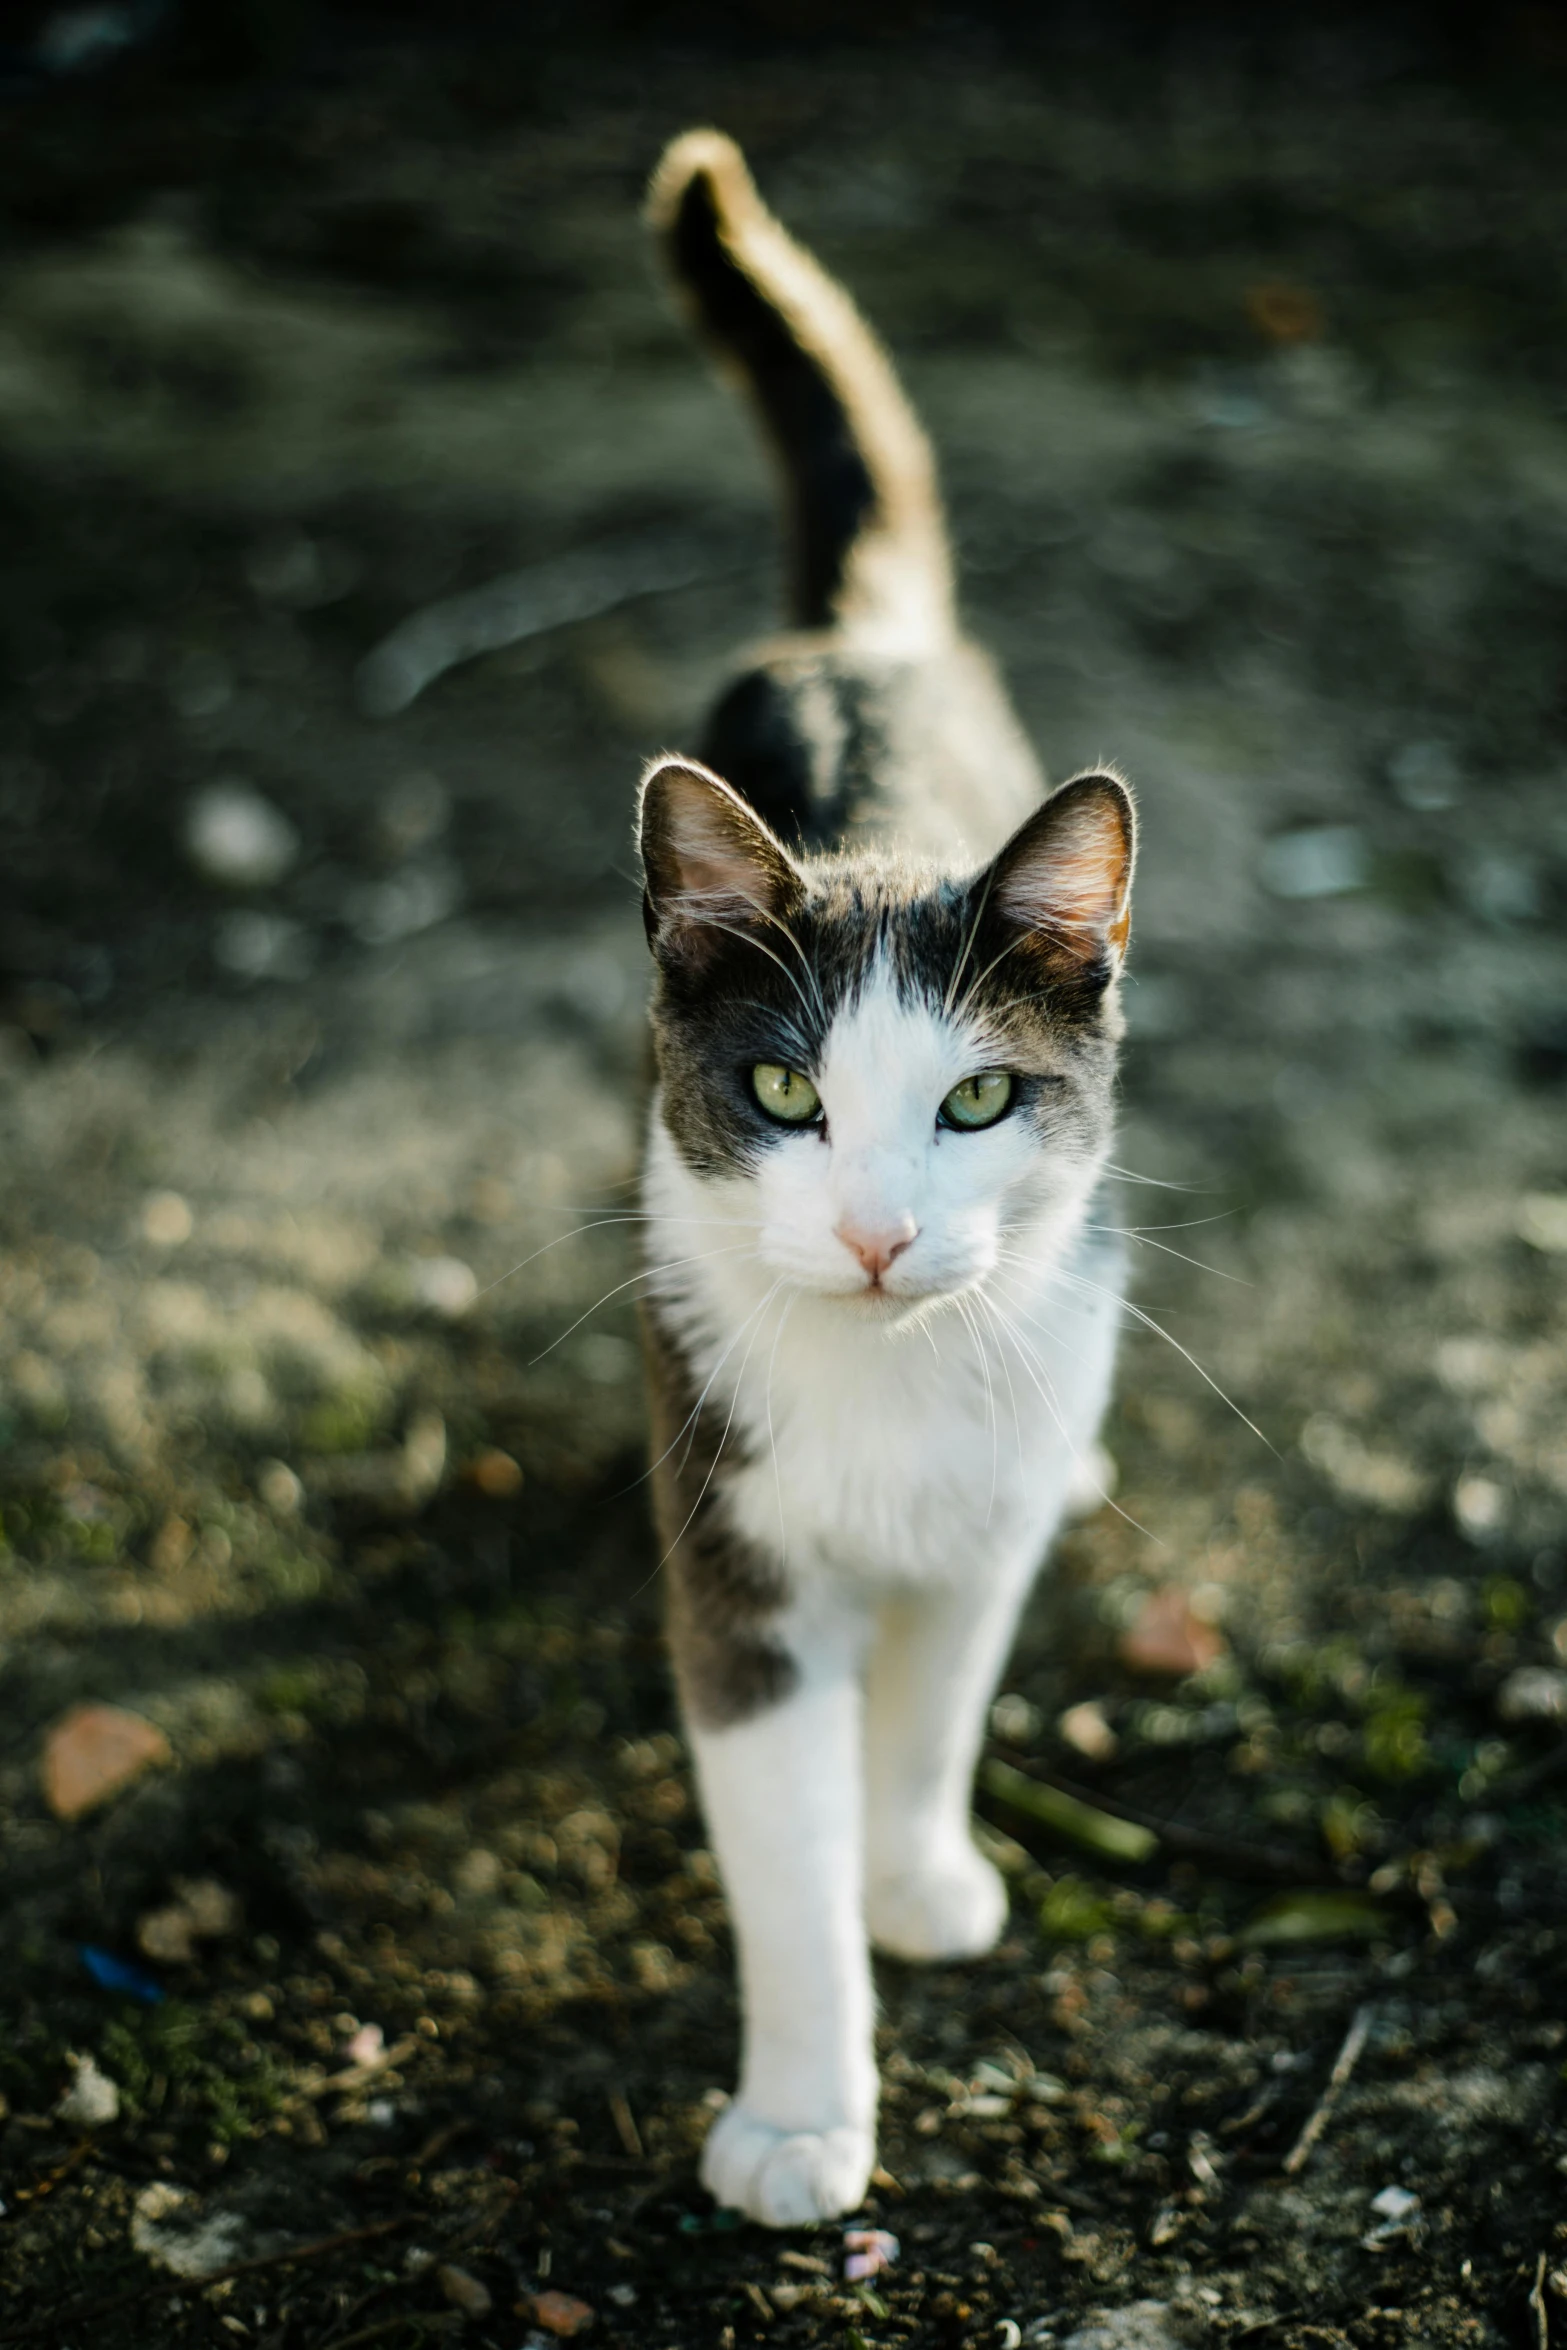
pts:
[1064, 879]
[713, 868]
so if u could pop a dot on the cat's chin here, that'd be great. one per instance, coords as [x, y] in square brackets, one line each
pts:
[891, 1310]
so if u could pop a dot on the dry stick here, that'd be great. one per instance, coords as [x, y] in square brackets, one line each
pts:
[157, 2287]
[1343, 2065]
[360, 2076]
[625, 2122]
[1542, 2323]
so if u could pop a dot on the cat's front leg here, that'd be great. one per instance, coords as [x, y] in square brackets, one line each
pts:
[781, 1791]
[938, 1655]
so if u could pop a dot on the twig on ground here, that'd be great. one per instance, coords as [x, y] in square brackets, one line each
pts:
[1223, 1854]
[53, 2327]
[359, 2076]
[625, 2122]
[1542, 2322]
[1343, 2065]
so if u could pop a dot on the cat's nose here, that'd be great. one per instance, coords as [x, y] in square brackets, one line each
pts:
[876, 1246]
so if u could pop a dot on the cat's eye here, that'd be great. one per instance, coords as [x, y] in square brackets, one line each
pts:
[784, 1094]
[978, 1101]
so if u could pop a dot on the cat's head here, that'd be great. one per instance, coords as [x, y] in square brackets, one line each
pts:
[883, 1069]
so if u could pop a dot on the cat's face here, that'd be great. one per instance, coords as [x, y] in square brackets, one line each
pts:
[881, 1073]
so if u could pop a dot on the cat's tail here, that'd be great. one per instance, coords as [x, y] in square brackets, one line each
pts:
[868, 546]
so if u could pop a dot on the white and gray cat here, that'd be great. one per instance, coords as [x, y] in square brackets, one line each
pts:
[881, 1314]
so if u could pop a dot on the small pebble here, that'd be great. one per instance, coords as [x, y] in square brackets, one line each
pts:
[867, 2251]
[445, 1285]
[92, 2101]
[560, 2313]
[1169, 1636]
[238, 839]
[94, 1752]
[1014, 1720]
[279, 1489]
[1480, 1506]
[464, 2292]
[496, 1475]
[1534, 1693]
[204, 1911]
[166, 1220]
[1086, 1730]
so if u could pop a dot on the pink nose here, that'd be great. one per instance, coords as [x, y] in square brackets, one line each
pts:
[877, 1249]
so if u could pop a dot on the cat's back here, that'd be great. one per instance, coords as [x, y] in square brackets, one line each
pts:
[833, 744]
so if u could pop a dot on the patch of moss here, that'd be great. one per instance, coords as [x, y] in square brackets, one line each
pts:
[349, 1421]
[292, 1689]
[1073, 1912]
[177, 2059]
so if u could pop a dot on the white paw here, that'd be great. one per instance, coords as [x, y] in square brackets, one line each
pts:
[786, 2179]
[951, 1909]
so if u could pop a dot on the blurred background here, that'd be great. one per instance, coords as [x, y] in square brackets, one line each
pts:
[367, 516]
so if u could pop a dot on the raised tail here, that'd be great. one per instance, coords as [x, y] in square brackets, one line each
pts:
[867, 542]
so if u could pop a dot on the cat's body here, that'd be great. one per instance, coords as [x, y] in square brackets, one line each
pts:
[881, 1314]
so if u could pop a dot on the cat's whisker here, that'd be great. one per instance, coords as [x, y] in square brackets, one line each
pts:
[643, 1273]
[559, 1241]
[1155, 1182]
[1142, 1239]
[693, 1419]
[1186, 1224]
[973, 1329]
[987, 1308]
[1030, 1358]
[718, 1450]
[606, 1222]
[1138, 1314]
[691, 905]
[688, 1425]
[1076, 938]
[772, 1440]
[660, 1216]
[968, 947]
[806, 964]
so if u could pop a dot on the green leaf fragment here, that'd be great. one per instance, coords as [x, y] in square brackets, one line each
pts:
[1073, 1912]
[1316, 1917]
[1101, 1831]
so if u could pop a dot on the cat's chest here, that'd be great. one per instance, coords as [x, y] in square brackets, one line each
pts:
[906, 1457]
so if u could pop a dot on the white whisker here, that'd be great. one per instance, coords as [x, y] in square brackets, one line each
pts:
[973, 1329]
[718, 1450]
[1031, 1360]
[1125, 1305]
[772, 1441]
[643, 1273]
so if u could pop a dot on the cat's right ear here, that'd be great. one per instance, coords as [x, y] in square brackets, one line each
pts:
[713, 870]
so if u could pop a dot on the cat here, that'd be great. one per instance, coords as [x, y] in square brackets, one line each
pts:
[880, 1305]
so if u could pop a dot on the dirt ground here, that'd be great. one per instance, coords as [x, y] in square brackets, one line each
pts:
[319, 1451]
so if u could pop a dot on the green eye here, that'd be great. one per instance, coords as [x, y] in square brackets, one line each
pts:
[784, 1093]
[978, 1101]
